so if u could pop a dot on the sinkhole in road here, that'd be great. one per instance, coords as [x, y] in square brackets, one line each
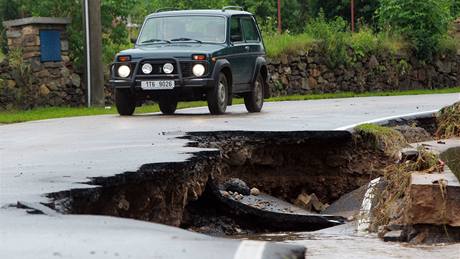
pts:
[328, 164]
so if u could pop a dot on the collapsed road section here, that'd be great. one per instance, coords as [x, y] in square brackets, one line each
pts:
[283, 165]
[296, 175]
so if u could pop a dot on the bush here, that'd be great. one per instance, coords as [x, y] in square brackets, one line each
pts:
[332, 38]
[448, 45]
[363, 43]
[391, 41]
[423, 22]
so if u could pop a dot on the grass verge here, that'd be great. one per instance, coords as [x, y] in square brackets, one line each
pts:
[287, 44]
[382, 138]
[15, 116]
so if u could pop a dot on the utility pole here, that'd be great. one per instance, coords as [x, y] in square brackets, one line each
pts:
[352, 15]
[280, 27]
[94, 74]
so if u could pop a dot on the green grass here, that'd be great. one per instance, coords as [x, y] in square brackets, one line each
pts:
[278, 44]
[15, 116]
[365, 94]
[2, 56]
[374, 129]
[382, 138]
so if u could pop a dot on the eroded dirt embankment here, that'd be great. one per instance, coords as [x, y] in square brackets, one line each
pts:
[283, 164]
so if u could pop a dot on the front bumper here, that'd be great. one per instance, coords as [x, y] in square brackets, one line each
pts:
[179, 83]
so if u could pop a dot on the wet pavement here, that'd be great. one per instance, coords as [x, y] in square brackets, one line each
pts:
[41, 157]
[343, 242]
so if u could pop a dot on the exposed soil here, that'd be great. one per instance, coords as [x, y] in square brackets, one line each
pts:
[285, 165]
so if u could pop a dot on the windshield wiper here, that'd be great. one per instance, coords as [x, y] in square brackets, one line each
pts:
[155, 40]
[186, 39]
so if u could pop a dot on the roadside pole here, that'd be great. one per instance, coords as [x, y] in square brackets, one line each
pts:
[352, 15]
[93, 50]
[280, 27]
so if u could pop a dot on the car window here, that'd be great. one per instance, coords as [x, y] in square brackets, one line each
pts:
[236, 33]
[202, 28]
[250, 30]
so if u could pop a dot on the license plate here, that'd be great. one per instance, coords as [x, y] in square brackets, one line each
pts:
[158, 85]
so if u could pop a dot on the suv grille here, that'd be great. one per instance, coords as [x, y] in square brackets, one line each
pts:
[186, 68]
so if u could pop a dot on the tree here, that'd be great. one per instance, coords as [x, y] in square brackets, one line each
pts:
[423, 23]
[364, 9]
[8, 10]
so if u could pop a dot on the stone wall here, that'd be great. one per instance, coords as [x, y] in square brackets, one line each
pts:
[39, 85]
[26, 81]
[308, 72]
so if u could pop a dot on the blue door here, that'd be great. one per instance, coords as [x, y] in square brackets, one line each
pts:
[50, 46]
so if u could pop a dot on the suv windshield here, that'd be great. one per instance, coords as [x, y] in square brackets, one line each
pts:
[209, 29]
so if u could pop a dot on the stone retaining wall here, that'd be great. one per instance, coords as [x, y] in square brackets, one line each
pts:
[36, 84]
[307, 72]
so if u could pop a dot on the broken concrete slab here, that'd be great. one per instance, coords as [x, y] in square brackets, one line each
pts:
[349, 204]
[409, 154]
[434, 199]
[279, 214]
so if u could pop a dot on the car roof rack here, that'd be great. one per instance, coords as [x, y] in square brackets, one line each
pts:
[166, 9]
[239, 8]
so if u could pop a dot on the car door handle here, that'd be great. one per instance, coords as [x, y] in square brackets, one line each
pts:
[247, 48]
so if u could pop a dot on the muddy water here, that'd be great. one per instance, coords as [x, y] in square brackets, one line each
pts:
[452, 158]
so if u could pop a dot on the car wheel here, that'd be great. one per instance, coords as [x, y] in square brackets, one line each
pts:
[125, 101]
[254, 101]
[168, 105]
[218, 96]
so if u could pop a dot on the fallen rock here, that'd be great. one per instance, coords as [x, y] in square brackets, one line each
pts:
[310, 202]
[316, 203]
[255, 191]
[409, 154]
[303, 201]
[237, 185]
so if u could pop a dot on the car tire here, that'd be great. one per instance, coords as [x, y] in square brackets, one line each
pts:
[218, 96]
[168, 105]
[125, 102]
[254, 101]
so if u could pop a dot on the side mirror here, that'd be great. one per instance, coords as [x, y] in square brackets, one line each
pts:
[134, 40]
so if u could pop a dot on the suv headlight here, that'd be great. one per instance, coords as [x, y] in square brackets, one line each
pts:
[124, 71]
[168, 68]
[198, 70]
[147, 68]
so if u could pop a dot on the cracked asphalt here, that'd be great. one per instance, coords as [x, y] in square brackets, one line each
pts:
[48, 156]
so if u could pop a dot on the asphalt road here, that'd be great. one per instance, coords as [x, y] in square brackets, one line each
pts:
[41, 157]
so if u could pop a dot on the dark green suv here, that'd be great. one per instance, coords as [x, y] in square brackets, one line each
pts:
[192, 55]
